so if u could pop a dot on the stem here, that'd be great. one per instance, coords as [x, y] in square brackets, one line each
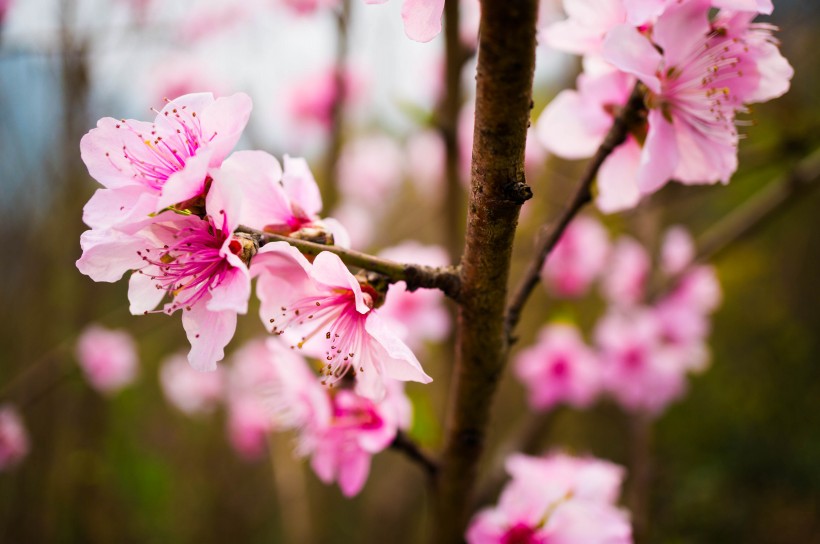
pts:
[551, 233]
[506, 59]
[749, 217]
[447, 122]
[413, 451]
[416, 276]
[337, 106]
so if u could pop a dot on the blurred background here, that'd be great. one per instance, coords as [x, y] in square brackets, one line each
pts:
[737, 459]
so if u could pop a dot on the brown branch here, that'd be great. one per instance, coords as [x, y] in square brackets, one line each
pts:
[337, 106]
[549, 234]
[447, 125]
[506, 59]
[413, 451]
[444, 278]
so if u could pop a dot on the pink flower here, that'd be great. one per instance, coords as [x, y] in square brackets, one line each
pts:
[575, 123]
[147, 167]
[577, 259]
[418, 316]
[325, 310]
[359, 428]
[559, 368]
[640, 370]
[306, 7]
[199, 263]
[677, 250]
[190, 391]
[425, 159]
[556, 499]
[14, 444]
[701, 79]
[698, 289]
[422, 18]
[627, 272]
[370, 170]
[311, 98]
[108, 358]
[587, 23]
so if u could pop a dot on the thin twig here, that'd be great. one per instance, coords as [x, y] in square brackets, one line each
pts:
[444, 278]
[550, 234]
[413, 451]
[749, 217]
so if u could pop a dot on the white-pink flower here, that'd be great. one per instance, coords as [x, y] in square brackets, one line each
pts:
[312, 98]
[327, 312]
[556, 499]
[147, 167]
[199, 263]
[190, 391]
[108, 358]
[422, 18]
[577, 259]
[358, 429]
[370, 170]
[14, 444]
[641, 371]
[699, 74]
[628, 271]
[559, 368]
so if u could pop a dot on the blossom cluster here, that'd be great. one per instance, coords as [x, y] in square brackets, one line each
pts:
[642, 349]
[169, 211]
[697, 63]
[557, 498]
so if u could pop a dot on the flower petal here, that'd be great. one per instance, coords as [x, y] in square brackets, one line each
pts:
[208, 332]
[422, 19]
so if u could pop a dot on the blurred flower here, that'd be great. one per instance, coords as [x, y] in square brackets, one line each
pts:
[418, 316]
[311, 98]
[181, 74]
[213, 19]
[559, 368]
[370, 170]
[108, 358]
[556, 499]
[14, 444]
[358, 429]
[628, 270]
[425, 159]
[640, 370]
[677, 250]
[422, 18]
[578, 258]
[306, 7]
[190, 391]
[324, 309]
[146, 167]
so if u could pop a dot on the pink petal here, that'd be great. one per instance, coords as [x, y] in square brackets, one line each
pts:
[224, 121]
[422, 19]
[329, 270]
[618, 179]
[300, 186]
[233, 293]
[108, 254]
[354, 466]
[143, 293]
[571, 127]
[761, 6]
[186, 183]
[101, 151]
[660, 154]
[681, 30]
[399, 361]
[209, 333]
[128, 207]
[629, 50]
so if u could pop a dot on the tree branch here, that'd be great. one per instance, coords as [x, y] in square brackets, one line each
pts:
[413, 451]
[549, 234]
[444, 278]
[749, 217]
[506, 59]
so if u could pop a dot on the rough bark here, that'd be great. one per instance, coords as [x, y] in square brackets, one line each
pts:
[506, 59]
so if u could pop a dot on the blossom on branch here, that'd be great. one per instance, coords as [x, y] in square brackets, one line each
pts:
[14, 444]
[108, 358]
[557, 499]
